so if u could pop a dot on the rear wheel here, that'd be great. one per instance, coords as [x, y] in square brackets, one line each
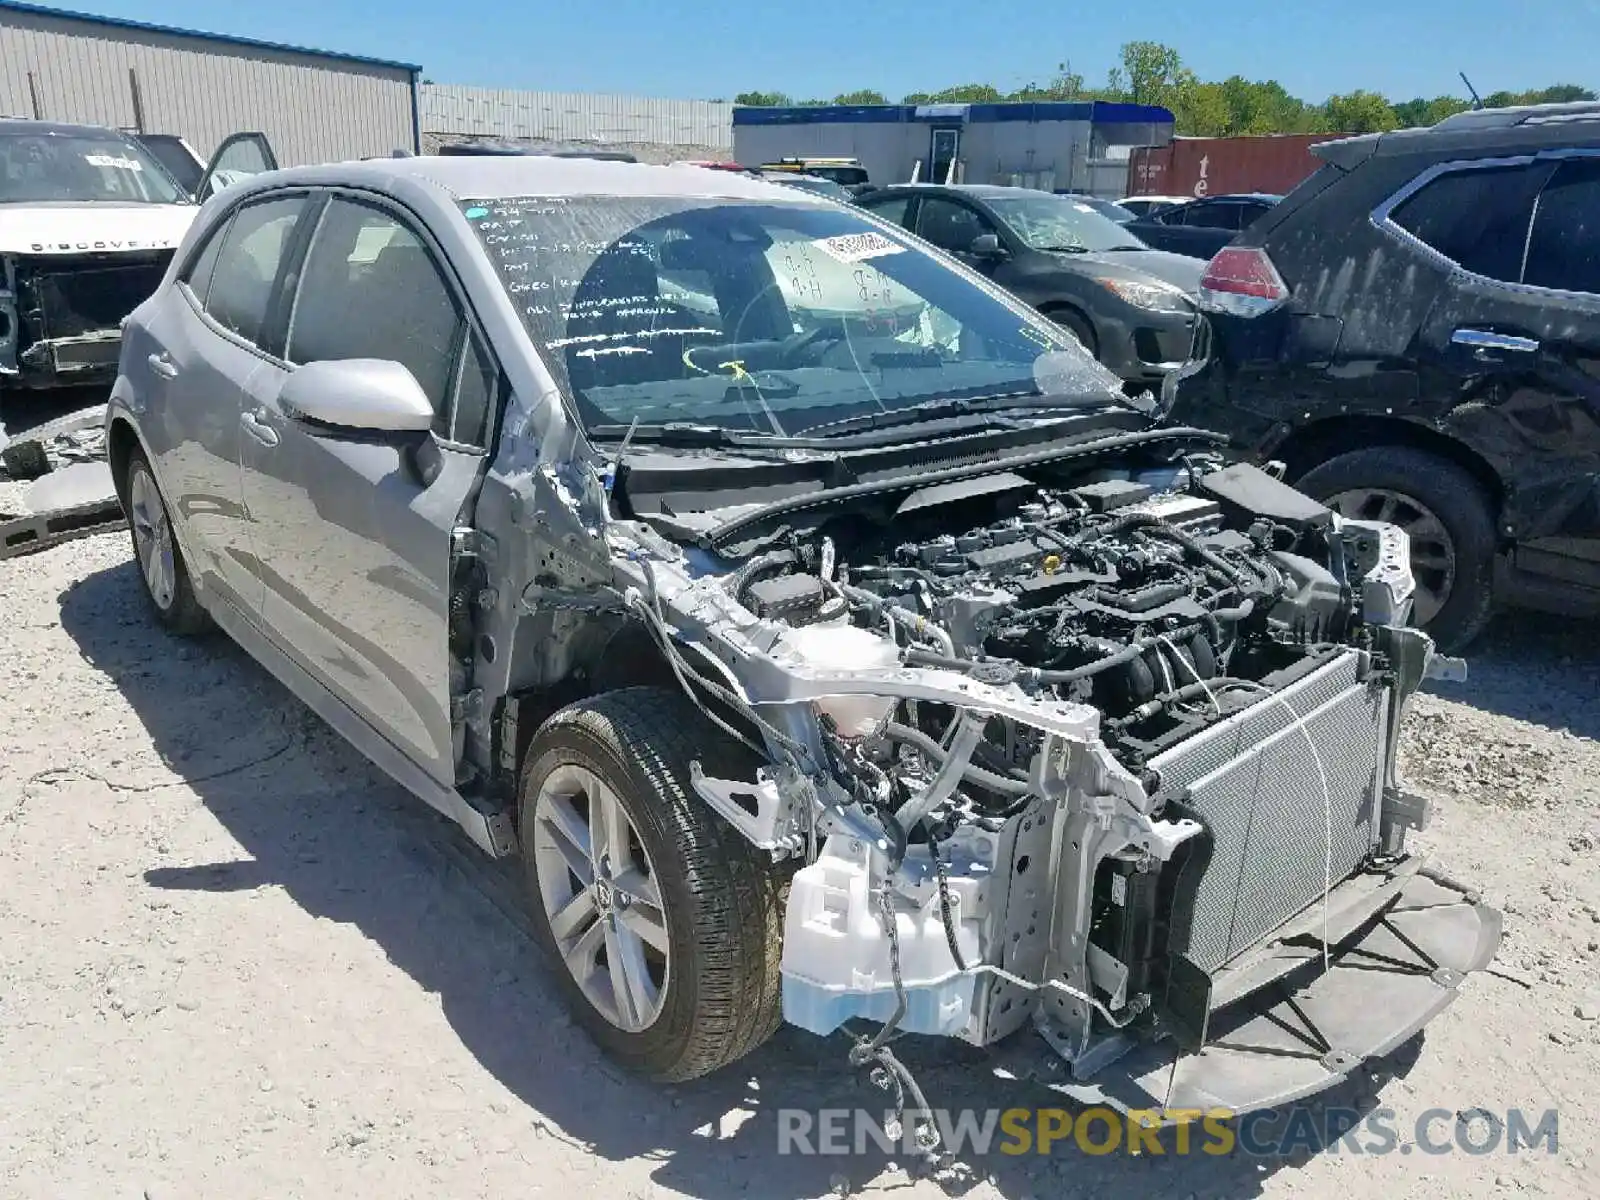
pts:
[664, 924]
[1445, 513]
[155, 550]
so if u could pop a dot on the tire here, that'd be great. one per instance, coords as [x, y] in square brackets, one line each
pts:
[1077, 326]
[716, 987]
[162, 571]
[1444, 509]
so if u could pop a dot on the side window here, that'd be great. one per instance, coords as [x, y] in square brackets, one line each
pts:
[1564, 243]
[477, 396]
[950, 226]
[371, 289]
[247, 265]
[1477, 218]
[891, 208]
[198, 275]
[1213, 216]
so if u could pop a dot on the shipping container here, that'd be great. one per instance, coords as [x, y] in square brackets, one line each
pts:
[1189, 166]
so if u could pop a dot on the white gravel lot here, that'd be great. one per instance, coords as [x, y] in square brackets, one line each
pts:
[235, 961]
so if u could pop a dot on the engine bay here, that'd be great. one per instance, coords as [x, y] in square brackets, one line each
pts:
[1068, 747]
[1163, 601]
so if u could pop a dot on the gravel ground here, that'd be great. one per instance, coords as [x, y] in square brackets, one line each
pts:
[235, 961]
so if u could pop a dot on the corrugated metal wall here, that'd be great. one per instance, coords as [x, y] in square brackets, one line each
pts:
[572, 117]
[314, 109]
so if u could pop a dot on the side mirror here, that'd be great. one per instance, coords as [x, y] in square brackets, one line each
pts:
[360, 394]
[987, 245]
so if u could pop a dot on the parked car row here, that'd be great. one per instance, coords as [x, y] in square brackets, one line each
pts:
[1131, 307]
[1464, 409]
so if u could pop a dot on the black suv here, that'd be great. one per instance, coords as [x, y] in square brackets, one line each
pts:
[1415, 333]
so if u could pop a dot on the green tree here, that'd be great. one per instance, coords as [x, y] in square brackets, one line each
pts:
[965, 93]
[1150, 73]
[1564, 93]
[863, 96]
[1360, 112]
[761, 99]
[1201, 109]
[1416, 113]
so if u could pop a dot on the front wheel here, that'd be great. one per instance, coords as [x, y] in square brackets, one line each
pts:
[1445, 513]
[1078, 327]
[664, 923]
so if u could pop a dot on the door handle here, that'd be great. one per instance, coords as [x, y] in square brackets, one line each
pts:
[1482, 341]
[259, 429]
[163, 366]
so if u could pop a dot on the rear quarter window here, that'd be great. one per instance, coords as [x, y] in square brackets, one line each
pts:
[1476, 217]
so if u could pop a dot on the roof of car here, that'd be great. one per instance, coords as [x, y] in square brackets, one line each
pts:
[969, 189]
[492, 177]
[59, 128]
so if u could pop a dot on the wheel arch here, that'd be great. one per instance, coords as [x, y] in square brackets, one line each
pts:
[1313, 444]
[603, 661]
[1050, 307]
[121, 441]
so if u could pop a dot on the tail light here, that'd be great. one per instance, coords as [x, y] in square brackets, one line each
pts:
[1242, 282]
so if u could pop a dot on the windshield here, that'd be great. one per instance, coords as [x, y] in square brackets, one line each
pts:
[767, 317]
[44, 168]
[1047, 222]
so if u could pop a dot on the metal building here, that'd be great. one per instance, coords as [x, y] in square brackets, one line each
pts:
[650, 129]
[1055, 145]
[315, 105]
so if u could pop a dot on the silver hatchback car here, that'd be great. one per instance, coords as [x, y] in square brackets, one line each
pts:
[828, 633]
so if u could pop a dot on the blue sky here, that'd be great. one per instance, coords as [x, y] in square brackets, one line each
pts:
[713, 48]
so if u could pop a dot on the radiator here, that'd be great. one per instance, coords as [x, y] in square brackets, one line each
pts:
[1254, 783]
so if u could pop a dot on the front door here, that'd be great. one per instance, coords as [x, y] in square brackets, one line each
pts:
[354, 531]
[944, 148]
[240, 156]
[1523, 353]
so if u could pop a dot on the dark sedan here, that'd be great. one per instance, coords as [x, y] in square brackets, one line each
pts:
[1130, 305]
[1200, 228]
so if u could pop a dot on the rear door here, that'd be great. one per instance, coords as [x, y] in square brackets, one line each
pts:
[1515, 338]
[354, 532]
[195, 355]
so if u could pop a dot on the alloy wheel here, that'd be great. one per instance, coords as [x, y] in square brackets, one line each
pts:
[152, 539]
[600, 894]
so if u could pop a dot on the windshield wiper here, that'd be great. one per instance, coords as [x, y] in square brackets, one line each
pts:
[687, 434]
[1119, 249]
[1063, 249]
[932, 410]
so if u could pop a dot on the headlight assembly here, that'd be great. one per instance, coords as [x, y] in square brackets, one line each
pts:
[1155, 297]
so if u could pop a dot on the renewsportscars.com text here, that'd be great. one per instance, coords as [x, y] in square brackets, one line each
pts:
[1216, 1132]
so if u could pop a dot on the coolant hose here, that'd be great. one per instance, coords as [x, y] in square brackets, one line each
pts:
[985, 779]
[943, 785]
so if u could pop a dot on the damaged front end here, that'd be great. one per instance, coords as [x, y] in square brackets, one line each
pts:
[61, 314]
[1113, 758]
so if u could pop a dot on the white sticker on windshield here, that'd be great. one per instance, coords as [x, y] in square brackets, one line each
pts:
[112, 160]
[854, 247]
